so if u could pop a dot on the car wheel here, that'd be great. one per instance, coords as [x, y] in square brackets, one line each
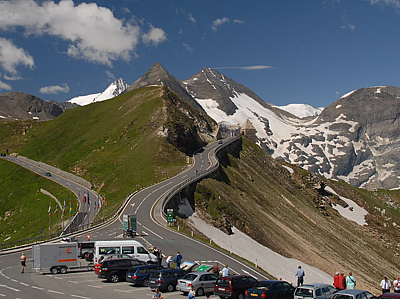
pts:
[146, 282]
[53, 270]
[200, 292]
[170, 288]
[63, 270]
[241, 296]
[113, 277]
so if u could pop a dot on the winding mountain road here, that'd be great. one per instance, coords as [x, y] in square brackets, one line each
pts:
[153, 232]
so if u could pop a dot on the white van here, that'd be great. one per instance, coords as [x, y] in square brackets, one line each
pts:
[130, 247]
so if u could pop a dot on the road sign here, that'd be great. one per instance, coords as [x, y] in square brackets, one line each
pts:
[170, 215]
[129, 221]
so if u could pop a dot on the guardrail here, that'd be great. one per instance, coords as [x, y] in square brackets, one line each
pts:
[199, 176]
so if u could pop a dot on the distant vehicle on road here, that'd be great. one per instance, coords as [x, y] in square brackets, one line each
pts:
[219, 141]
[271, 289]
[85, 248]
[3, 154]
[116, 256]
[48, 174]
[202, 282]
[56, 258]
[69, 240]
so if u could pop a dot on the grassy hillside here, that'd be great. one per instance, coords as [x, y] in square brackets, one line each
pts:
[118, 145]
[23, 208]
[285, 212]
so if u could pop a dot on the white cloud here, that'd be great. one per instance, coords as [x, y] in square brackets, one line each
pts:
[239, 22]
[5, 86]
[348, 26]
[93, 32]
[191, 19]
[246, 68]
[218, 22]
[394, 3]
[55, 89]
[110, 75]
[155, 36]
[12, 78]
[12, 56]
[187, 47]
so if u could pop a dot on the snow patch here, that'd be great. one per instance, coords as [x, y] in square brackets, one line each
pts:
[348, 94]
[301, 110]
[1, 116]
[357, 214]
[35, 117]
[288, 168]
[338, 106]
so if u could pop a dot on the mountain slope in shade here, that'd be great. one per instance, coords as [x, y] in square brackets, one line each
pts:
[113, 90]
[158, 75]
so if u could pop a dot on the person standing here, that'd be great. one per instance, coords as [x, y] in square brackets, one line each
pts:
[169, 260]
[23, 262]
[350, 281]
[225, 271]
[300, 276]
[158, 294]
[178, 260]
[385, 285]
[396, 285]
[215, 269]
[336, 281]
[157, 253]
[342, 281]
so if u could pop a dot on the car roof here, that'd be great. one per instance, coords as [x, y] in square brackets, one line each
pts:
[351, 292]
[117, 259]
[313, 286]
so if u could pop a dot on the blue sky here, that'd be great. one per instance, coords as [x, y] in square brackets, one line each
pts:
[286, 51]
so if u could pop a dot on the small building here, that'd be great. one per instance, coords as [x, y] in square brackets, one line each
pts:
[248, 130]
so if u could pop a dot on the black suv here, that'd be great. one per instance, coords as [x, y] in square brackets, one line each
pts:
[115, 270]
[233, 286]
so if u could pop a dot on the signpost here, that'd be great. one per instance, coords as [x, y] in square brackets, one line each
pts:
[129, 221]
[170, 216]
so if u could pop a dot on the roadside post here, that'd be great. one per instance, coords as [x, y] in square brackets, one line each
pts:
[170, 216]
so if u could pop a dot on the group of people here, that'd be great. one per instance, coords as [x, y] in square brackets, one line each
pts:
[224, 272]
[177, 259]
[386, 285]
[341, 282]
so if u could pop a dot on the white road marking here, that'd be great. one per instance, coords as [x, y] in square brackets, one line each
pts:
[133, 204]
[56, 292]
[77, 296]
[24, 284]
[37, 288]
[2, 295]
[10, 288]
[14, 280]
[153, 232]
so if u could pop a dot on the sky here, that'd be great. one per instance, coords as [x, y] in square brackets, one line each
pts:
[286, 51]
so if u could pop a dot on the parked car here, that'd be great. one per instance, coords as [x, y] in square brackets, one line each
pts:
[139, 275]
[390, 296]
[48, 174]
[233, 286]
[317, 290]
[271, 289]
[165, 279]
[85, 248]
[202, 282]
[353, 294]
[117, 256]
[114, 270]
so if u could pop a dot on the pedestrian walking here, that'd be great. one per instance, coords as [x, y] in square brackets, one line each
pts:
[336, 281]
[300, 276]
[342, 281]
[396, 285]
[215, 269]
[192, 293]
[178, 260]
[169, 260]
[23, 262]
[385, 285]
[225, 271]
[350, 281]
[158, 294]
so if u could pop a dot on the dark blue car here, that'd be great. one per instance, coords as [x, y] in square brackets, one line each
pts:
[139, 275]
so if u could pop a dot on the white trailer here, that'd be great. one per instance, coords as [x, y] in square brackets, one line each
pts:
[56, 258]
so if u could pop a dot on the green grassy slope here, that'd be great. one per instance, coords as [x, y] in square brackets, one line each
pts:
[23, 208]
[284, 212]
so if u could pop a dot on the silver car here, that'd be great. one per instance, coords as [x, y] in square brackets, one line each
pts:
[317, 290]
[202, 282]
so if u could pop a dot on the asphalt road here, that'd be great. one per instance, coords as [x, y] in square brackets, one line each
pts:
[85, 284]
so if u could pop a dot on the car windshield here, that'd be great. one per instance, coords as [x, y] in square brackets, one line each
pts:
[303, 292]
[155, 275]
[223, 282]
[263, 285]
[190, 276]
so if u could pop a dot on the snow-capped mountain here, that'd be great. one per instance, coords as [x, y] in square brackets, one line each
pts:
[302, 110]
[354, 139]
[113, 90]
